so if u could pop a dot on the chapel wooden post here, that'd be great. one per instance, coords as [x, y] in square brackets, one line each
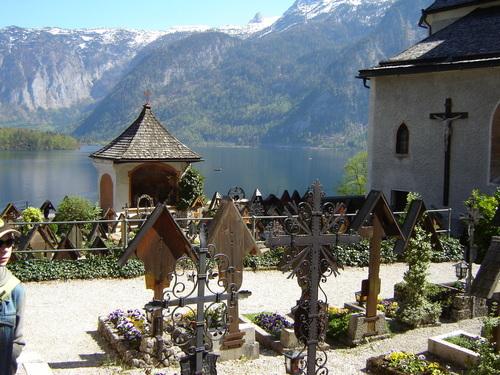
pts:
[384, 224]
[231, 237]
[159, 244]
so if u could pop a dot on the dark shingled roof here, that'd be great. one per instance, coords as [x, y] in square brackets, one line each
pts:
[146, 139]
[471, 41]
[442, 5]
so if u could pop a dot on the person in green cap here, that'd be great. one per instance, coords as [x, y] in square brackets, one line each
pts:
[12, 296]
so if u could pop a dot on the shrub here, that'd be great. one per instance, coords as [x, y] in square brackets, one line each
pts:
[489, 361]
[338, 322]
[190, 188]
[76, 208]
[485, 229]
[358, 255]
[31, 215]
[414, 308]
[453, 250]
[268, 259]
[91, 268]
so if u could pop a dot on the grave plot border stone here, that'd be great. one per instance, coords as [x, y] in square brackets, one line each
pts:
[456, 354]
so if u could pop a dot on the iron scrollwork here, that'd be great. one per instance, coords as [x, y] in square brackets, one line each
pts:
[309, 237]
[195, 308]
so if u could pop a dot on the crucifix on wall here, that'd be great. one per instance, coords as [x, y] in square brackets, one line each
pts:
[447, 117]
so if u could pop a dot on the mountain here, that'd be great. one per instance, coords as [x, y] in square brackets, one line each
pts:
[291, 81]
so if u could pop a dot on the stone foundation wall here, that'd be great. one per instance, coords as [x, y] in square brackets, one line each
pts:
[151, 351]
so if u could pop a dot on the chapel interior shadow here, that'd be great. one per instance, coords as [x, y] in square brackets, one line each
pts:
[106, 356]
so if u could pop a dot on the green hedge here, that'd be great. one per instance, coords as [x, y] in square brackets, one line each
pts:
[90, 268]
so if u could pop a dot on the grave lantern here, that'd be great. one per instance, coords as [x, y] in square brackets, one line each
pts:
[188, 364]
[461, 270]
[293, 360]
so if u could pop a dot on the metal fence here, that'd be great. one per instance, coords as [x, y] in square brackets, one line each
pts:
[122, 229]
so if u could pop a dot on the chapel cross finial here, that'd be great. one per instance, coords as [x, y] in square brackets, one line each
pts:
[147, 95]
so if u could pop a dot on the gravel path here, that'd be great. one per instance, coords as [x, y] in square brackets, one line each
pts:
[61, 319]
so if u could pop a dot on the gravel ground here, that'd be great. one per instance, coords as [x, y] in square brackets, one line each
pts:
[61, 319]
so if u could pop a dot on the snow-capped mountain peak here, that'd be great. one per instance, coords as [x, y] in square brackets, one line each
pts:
[367, 11]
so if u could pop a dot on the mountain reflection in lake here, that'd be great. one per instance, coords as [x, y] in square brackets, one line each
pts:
[38, 175]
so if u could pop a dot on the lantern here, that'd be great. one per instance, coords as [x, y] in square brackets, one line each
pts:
[461, 270]
[293, 361]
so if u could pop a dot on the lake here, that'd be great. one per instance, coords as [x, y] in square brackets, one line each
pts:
[35, 176]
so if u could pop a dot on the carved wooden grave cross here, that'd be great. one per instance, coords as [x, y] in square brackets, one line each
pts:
[194, 289]
[312, 233]
[447, 117]
[231, 237]
[159, 244]
[383, 223]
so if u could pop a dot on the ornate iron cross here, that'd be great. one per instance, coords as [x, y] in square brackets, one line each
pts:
[191, 286]
[447, 117]
[309, 238]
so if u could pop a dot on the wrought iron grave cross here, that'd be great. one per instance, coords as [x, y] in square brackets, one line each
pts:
[312, 234]
[183, 294]
[447, 117]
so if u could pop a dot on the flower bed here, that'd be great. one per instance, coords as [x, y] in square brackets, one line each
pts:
[272, 323]
[389, 307]
[338, 322]
[403, 363]
[128, 333]
[458, 347]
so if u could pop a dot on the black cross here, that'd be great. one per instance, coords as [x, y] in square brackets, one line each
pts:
[313, 238]
[447, 117]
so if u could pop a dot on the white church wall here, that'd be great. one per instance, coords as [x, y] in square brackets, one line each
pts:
[410, 99]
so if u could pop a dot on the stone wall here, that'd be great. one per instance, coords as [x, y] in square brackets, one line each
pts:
[151, 351]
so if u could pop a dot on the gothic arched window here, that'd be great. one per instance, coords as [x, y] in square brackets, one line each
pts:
[495, 148]
[402, 140]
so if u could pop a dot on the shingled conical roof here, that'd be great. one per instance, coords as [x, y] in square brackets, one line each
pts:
[146, 139]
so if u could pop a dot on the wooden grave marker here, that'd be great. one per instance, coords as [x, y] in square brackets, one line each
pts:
[66, 243]
[46, 207]
[159, 243]
[97, 230]
[487, 281]
[230, 235]
[415, 215]
[10, 213]
[40, 237]
[384, 224]
[99, 243]
[75, 235]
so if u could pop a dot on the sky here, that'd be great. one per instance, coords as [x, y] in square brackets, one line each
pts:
[135, 14]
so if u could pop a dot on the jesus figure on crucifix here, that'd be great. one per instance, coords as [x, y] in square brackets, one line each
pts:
[447, 117]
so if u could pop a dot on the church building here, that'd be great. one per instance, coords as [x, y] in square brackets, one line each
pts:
[144, 160]
[434, 118]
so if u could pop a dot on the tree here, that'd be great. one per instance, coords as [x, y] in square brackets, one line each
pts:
[74, 208]
[355, 175]
[191, 186]
[485, 229]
